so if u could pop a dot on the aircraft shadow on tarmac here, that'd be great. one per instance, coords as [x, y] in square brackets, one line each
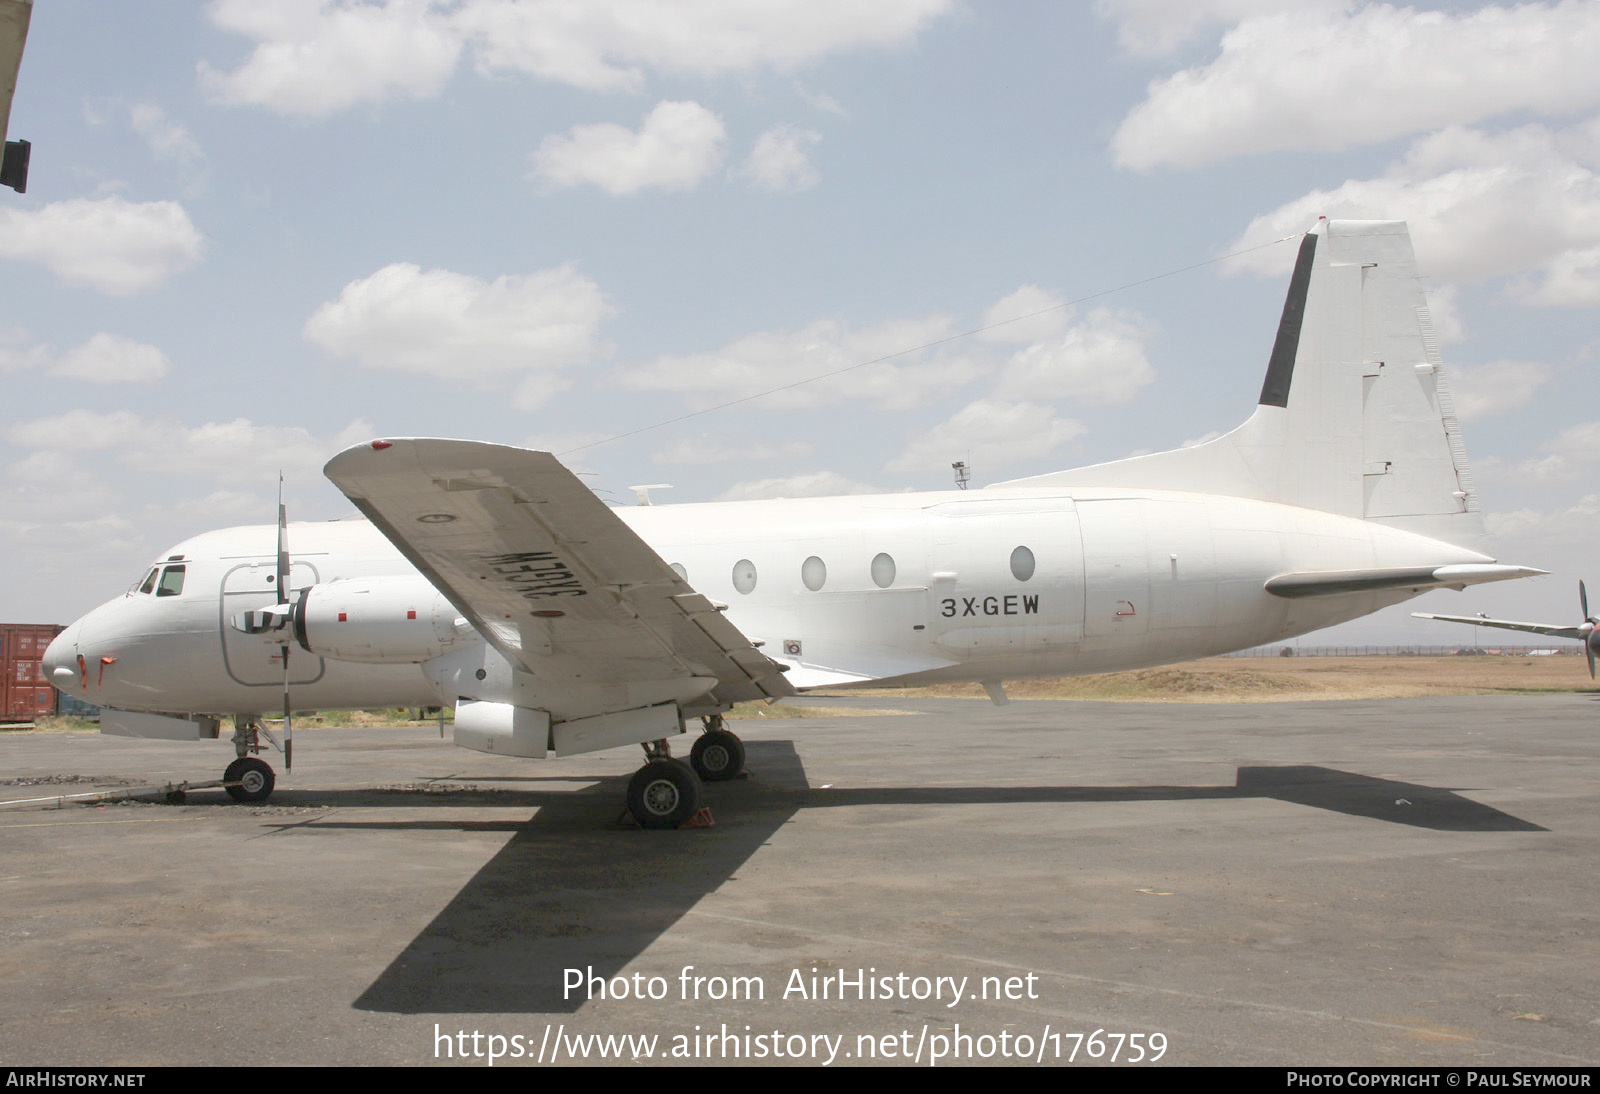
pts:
[573, 889]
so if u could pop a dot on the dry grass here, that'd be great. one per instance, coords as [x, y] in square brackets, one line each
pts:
[55, 723]
[785, 710]
[1293, 679]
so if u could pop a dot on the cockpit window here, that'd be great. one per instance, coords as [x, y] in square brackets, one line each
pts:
[150, 581]
[171, 581]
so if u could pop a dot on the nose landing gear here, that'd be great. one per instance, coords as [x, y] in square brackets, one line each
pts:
[249, 779]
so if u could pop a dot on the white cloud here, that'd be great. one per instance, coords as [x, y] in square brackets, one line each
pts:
[1577, 524]
[1100, 360]
[770, 360]
[103, 359]
[1494, 388]
[235, 451]
[1570, 279]
[170, 142]
[1579, 442]
[610, 46]
[1570, 455]
[1325, 81]
[781, 161]
[989, 434]
[1524, 202]
[119, 247]
[677, 146]
[315, 57]
[1445, 311]
[822, 101]
[166, 138]
[16, 357]
[1031, 314]
[814, 484]
[1158, 27]
[708, 448]
[454, 326]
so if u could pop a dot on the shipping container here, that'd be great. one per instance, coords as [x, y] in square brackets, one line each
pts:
[25, 694]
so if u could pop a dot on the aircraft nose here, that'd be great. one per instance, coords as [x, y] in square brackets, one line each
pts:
[61, 660]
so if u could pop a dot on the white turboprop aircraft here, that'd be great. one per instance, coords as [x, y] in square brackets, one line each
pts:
[492, 580]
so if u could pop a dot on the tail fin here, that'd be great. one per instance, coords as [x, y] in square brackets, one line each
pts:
[1354, 418]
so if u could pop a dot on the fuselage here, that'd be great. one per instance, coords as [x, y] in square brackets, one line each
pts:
[983, 585]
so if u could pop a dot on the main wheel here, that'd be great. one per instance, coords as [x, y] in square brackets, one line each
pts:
[254, 777]
[663, 794]
[717, 755]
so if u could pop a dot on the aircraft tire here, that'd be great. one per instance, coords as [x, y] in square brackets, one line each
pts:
[664, 794]
[717, 755]
[255, 779]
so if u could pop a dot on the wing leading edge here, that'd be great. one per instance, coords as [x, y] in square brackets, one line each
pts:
[546, 572]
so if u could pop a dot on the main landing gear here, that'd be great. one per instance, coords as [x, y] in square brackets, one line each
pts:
[717, 755]
[249, 779]
[666, 793]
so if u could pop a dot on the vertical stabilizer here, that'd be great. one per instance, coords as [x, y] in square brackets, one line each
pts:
[1354, 416]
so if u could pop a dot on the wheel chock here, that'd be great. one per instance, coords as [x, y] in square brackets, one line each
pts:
[701, 819]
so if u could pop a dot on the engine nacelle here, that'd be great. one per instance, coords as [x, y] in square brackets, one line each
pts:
[379, 621]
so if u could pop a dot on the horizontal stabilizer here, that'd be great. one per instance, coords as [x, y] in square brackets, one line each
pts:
[1413, 578]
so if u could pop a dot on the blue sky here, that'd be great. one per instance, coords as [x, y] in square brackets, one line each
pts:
[257, 233]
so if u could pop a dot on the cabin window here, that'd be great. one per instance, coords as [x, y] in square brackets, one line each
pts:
[882, 570]
[677, 568]
[150, 581]
[1022, 564]
[814, 572]
[171, 581]
[744, 576]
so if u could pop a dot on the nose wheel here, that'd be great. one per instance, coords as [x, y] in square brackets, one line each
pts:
[249, 780]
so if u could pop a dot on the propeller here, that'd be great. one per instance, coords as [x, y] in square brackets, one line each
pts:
[283, 602]
[1589, 629]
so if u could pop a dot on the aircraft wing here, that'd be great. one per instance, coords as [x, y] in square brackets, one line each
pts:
[1505, 624]
[545, 571]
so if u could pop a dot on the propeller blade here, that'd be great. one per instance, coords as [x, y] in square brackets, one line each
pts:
[283, 546]
[283, 598]
[288, 718]
[1588, 648]
[1583, 602]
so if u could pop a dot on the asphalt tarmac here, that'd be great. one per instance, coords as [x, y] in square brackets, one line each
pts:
[1408, 882]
